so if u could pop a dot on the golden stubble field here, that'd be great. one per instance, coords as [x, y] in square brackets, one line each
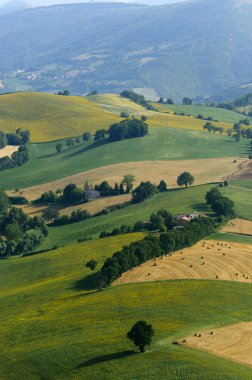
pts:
[231, 342]
[204, 171]
[209, 260]
[239, 226]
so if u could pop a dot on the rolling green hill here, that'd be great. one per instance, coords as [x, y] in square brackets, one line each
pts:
[55, 327]
[216, 113]
[161, 144]
[51, 117]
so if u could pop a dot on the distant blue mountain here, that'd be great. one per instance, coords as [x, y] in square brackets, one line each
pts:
[202, 47]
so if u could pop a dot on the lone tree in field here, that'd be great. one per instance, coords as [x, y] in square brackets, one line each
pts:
[92, 264]
[141, 334]
[185, 179]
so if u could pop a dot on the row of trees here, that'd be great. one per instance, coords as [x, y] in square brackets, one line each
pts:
[212, 128]
[154, 246]
[136, 98]
[70, 195]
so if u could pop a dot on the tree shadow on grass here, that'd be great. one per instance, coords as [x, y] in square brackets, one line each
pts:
[106, 358]
[87, 148]
[89, 282]
[203, 207]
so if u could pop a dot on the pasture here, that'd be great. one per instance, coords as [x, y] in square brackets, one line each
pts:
[154, 171]
[161, 144]
[51, 117]
[219, 114]
[225, 341]
[242, 198]
[211, 260]
[176, 201]
[235, 238]
[55, 326]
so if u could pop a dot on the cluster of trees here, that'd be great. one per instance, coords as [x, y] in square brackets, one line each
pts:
[167, 101]
[17, 159]
[146, 190]
[213, 128]
[70, 195]
[20, 137]
[125, 187]
[161, 221]
[20, 234]
[240, 131]
[136, 98]
[64, 93]
[242, 101]
[154, 246]
[222, 206]
[126, 129]
[201, 117]
[76, 216]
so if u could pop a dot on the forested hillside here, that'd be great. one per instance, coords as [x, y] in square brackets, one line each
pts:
[193, 48]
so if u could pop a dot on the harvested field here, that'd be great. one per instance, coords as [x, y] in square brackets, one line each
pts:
[212, 260]
[8, 150]
[92, 206]
[244, 171]
[232, 342]
[98, 204]
[239, 226]
[204, 171]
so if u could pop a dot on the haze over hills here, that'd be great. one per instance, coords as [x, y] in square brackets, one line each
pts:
[192, 48]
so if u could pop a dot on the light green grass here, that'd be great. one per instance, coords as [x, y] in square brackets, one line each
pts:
[242, 183]
[216, 113]
[52, 117]
[176, 201]
[53, 327]
[161, 144]
[235, 238]
[242, 198]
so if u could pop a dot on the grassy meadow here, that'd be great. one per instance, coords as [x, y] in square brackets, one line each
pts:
[235, 238]
[219, 114]
[242, 198]
[46, 165]
[54, 325]
[176, 201]
[247, 183]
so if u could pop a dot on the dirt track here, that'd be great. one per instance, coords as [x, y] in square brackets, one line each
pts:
[213, 260]
[232, 342]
